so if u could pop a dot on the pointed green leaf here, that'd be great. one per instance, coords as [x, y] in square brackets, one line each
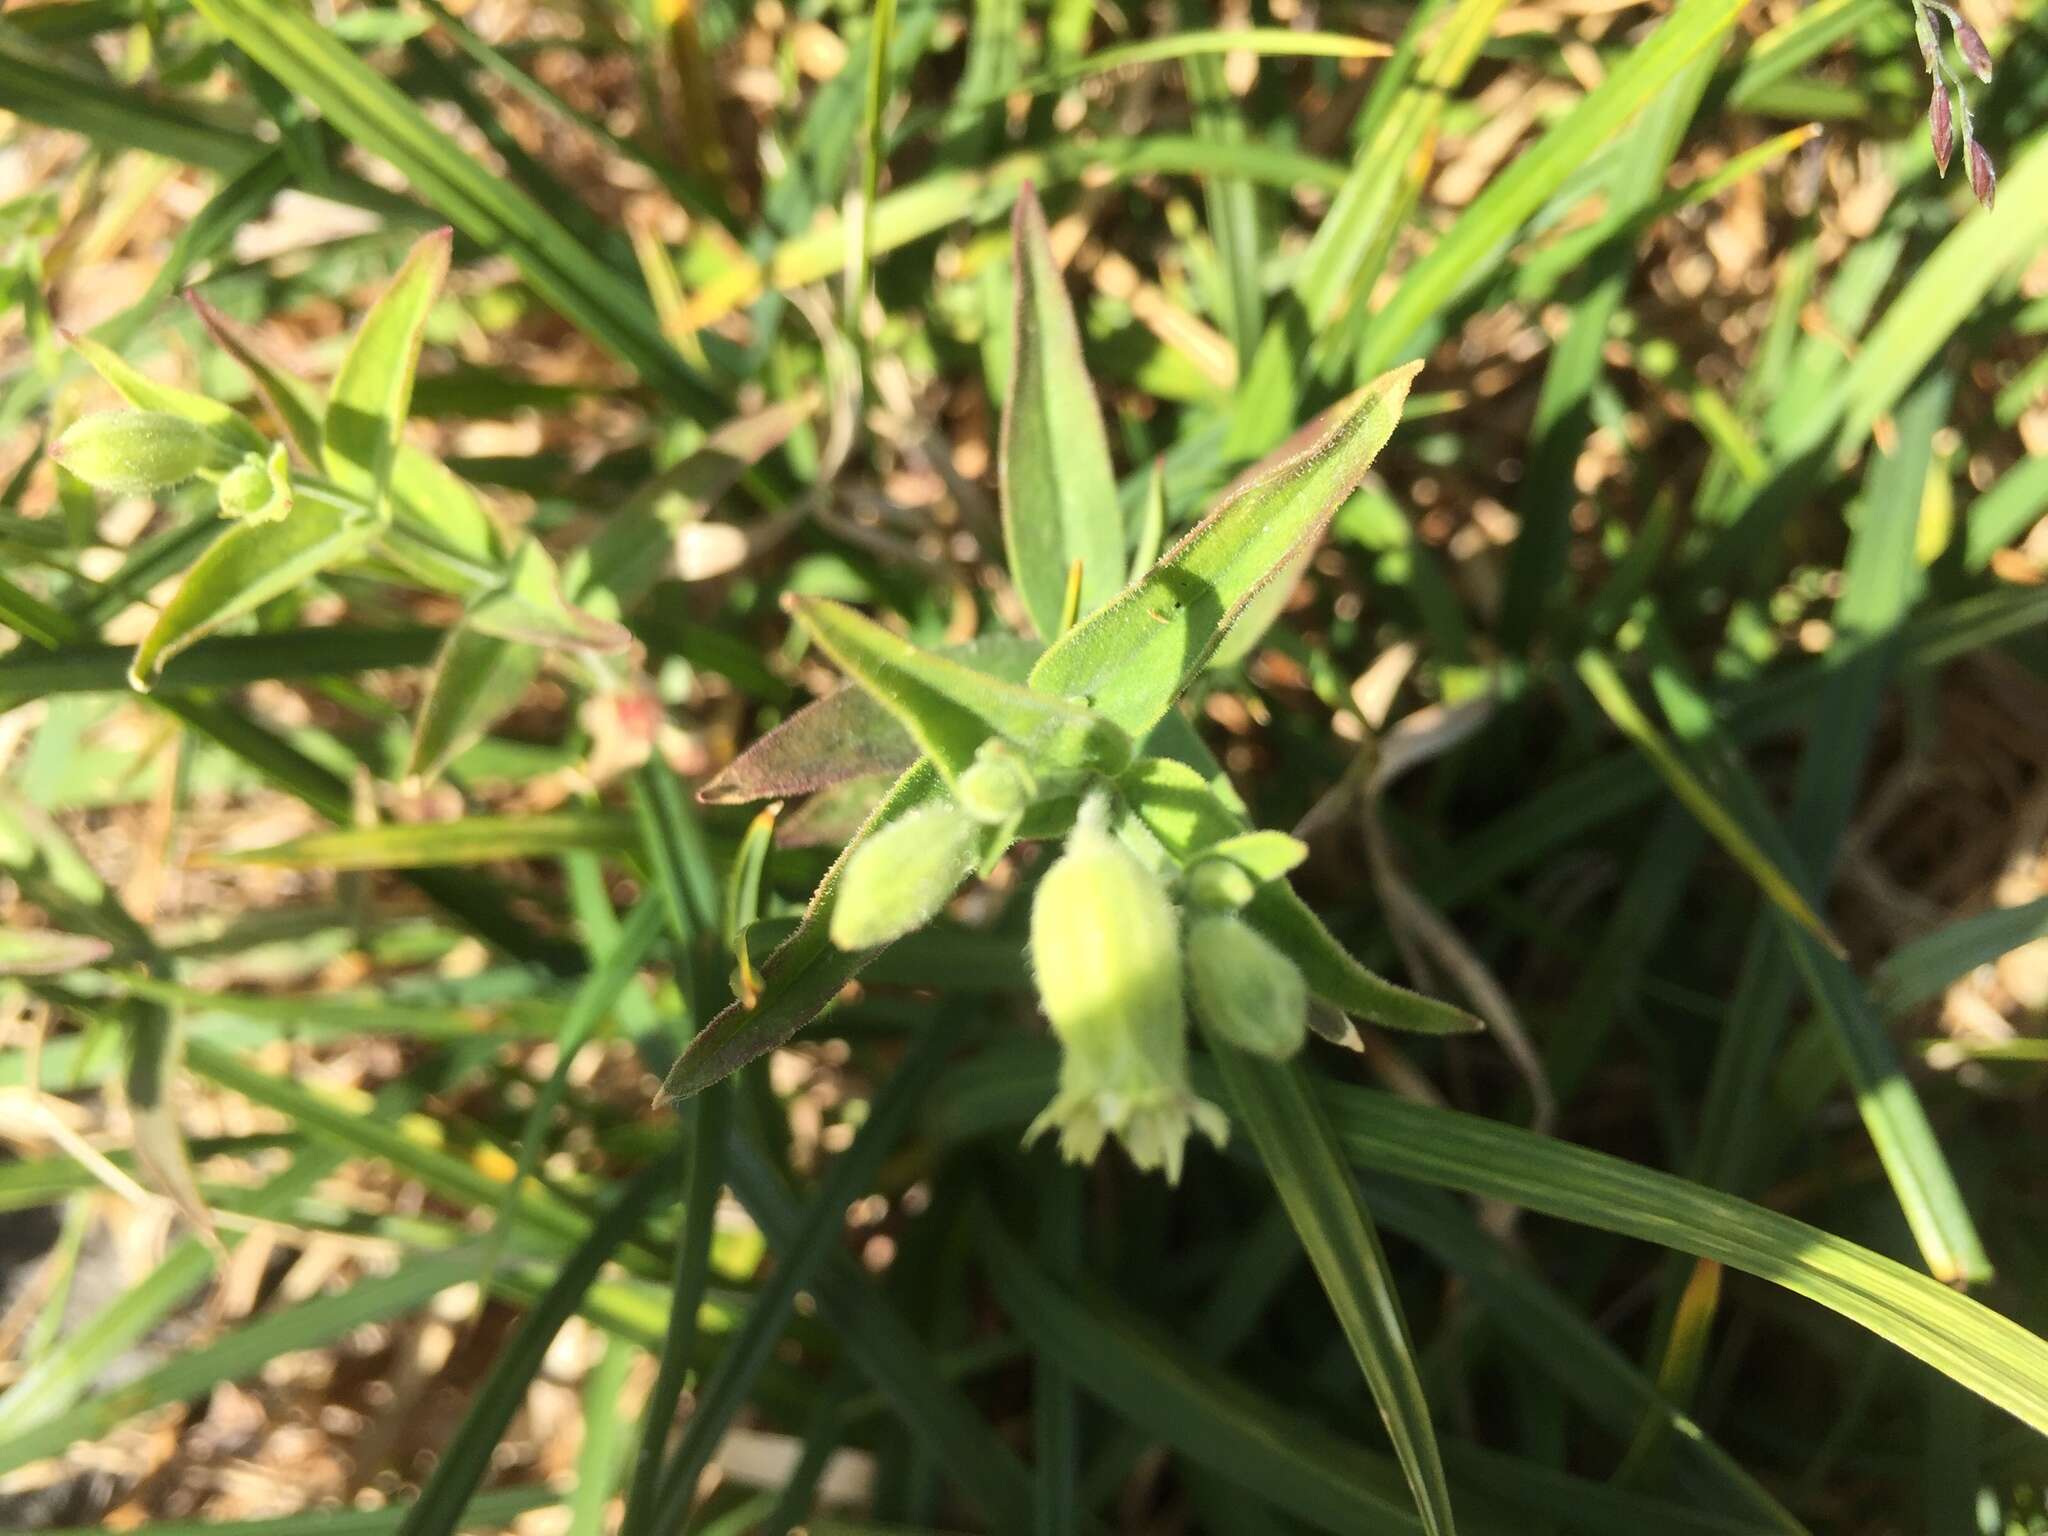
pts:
[1058, 487]
[1612, 695]
[530, 608]
[440, 534]
[848, 735]
[949, 707]
[372, 394]
[1190, 819]
[296, 405]
[1131, 660]
[743, 881]
[478, 679]
[244, 568]
[146, 394]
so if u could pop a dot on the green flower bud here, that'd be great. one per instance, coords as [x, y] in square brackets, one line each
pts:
[1220, 885]
[997, 786]
[132, 452]
[1105, 948]
[256, 492]
[898, 879]
[1244, 988]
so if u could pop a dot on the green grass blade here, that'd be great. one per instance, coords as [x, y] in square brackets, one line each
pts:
[1483, 230]
[466, 1459]
[1196, 1408]
[710, 1127]
[1612, 695]
[890, 1353]
[1920, 971]
[242, 1353]
[375, 115]
[429, 845]
[1992, 1356]
[799, 1251]
[1273, 1103]
[221, 661]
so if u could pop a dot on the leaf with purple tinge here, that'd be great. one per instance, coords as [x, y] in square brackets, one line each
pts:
[848, 735]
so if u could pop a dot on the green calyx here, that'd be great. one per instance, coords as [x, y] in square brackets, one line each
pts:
[998, 787]
[900, 878]
[256, 491]
[1244, 989]
[131, 453]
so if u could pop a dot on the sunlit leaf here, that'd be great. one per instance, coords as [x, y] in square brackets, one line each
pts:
[1132, 659]
[246, 567]
[372, 393]
[1058, 488]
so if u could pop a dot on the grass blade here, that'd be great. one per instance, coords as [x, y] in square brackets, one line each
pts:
[1273, 1103]
[467, 1457]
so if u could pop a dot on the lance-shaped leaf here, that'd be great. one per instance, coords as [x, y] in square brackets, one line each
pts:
[848, 735]
[478, 679]
[1132, 659]
[366, 408]
[1190, 820]
[146, 394]
[243, 569]
[294, 404]
[530, 608]
[1058, 488]
[949, 707]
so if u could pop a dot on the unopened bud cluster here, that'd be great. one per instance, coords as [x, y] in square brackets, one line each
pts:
[1949, 105]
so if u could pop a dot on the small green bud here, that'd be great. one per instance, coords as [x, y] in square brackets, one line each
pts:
[132, 452]
[1105, 948]
[1220, 885]
[256, 492]
[997, 786]
[1244, 988]
[898, 879]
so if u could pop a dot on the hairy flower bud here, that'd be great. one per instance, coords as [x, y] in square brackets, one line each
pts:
[1220, 885]
[1983, 175]
[997, 786]
[132, 452]
[1244, 988]
[898, 879]
[1105, 947]
[258, 492]
[1941, 126]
